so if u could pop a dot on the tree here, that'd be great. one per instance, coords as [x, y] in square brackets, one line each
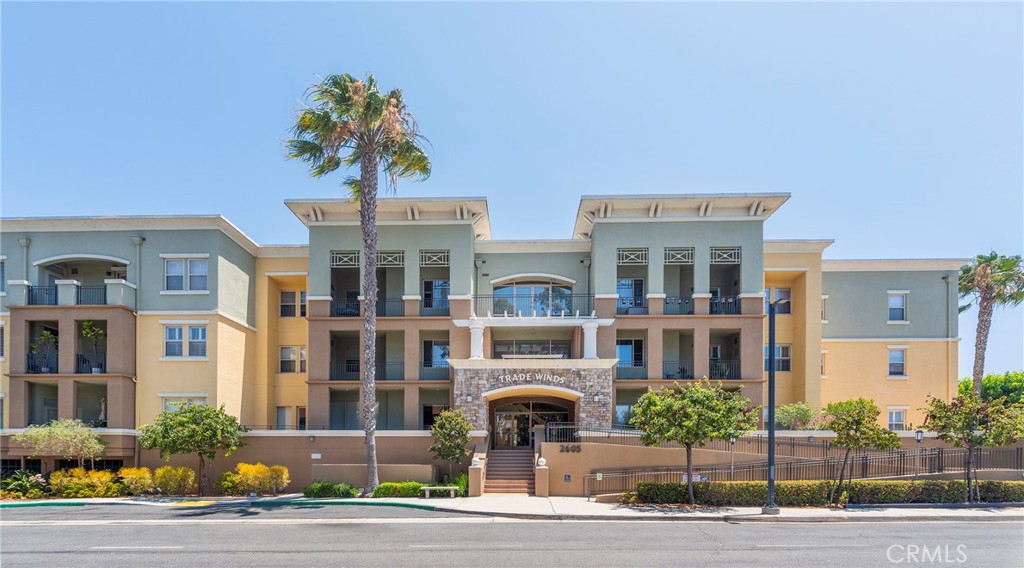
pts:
[990, 280]
[1009, 385]
[855, 423]
[68, 439]
[969, 422]
[795, 416]
[349, 122]
[450, 432]
[692, 415]
[193, 429]
[94, 334]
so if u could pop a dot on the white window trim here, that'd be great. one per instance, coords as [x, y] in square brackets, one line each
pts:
[906, 302]
[901, 407]
[824, 359]
[824, 305]
[903, 348]
[180, 255]
[186, 274]
[185, 326]
[166, 358]
[184, 292]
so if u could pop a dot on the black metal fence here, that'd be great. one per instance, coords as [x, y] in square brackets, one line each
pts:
[42, 364]
[898, 464]
[678, 305]
[390, 307]
[677, 369]
[435, 372]
[344, 308]
[42, 295]
[725, 305]
[91, 295]
[90, 362]
[631, 370]
[534, 305]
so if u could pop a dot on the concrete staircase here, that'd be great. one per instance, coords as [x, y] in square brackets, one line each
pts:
[509, 471]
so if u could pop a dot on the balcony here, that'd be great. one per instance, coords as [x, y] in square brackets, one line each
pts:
[434, 372]
[42, 295]
[344, 308]
[94, 363]
[435, 307]
[390, 307]
[534, 305]
[631, 306]
[42, 364]
[631, 370]
[386, 371]
[677, 369]
[678, 306]
[724, 369]
[725, 305]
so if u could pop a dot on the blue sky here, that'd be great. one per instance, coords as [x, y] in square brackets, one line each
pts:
[896, 127]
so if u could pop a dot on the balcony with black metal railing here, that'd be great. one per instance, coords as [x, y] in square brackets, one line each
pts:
[678, 305]
[723, 369]
[434, 372]
[390, 307]
[435, 306]
[385, 371]
[344, 308]
[725, 305]
[631, 370]
[42, 364]
[94, 363]
[42, 295]
[91, 295]
[632, 306]
[534, 305]
[677, 369]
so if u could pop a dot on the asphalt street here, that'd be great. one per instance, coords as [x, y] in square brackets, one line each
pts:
[135, 535]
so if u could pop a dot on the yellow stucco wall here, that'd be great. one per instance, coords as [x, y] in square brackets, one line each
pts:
[5, 380]
[861, 368]
[275, 275]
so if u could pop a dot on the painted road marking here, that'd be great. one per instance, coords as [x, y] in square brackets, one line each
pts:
[463, 546]
[134, 547]
[813, 546]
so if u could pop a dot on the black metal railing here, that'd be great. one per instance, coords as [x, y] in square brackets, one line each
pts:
[435, 307]
[631, 370]
[534, 305]
[390, 307]
[42, 364]
[284, 427]
[91, 295]
[678, 305]
[678, 369]
[385, 371]
[724, 305]
[898, 464]
[434, 372]
[635, 306]
[91, 363]
[42, 295]
[347, 371]
[344, 308]
[390, 371]
[723, 369]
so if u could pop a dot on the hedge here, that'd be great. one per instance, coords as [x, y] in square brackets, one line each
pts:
[399, 489]
[320, 489]
[815, 493]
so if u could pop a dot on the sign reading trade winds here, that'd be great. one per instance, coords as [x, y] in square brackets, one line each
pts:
[522, 378]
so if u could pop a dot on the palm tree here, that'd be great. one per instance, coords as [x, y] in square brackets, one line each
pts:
[349, 122]
[991, 280]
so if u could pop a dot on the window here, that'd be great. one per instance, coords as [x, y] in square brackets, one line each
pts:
[630, 352]
[631, 294]
[435, 353]
[435, 293]
[897, 362]
[823, 354]
[197, 341]
[184, 274]
[779, 294]
[284, 417]
[526, 348]
[715, 352]
[293, 358]
[783, 358]
[173, 344]
[897, 306]
[623, 414]
[897, 418]
[3, 276]
[289, 308]
[824, 309]
[175, 402]
[300, 417]
[3, 336]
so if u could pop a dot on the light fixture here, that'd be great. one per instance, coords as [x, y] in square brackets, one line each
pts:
[597, 398]
[312, 438]
[919, 435]
[469, 398]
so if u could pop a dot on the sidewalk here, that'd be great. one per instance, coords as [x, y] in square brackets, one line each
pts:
[580, 509]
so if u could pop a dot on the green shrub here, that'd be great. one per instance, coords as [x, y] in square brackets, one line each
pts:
[175, 480]
[23, 482]
[226, 484]
[815, 493]
[399, 489]
[462, 481]
[136, 480]
[79, 483]
[322, 489]
[253, 478]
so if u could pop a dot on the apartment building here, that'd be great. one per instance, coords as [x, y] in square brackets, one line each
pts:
[648, 291]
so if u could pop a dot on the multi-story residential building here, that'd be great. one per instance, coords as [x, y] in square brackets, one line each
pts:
[650, 290]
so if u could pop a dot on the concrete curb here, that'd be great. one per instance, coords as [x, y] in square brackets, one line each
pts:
[939, 506]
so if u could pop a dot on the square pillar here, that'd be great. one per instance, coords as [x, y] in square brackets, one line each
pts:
[656, 304]
[318, 356]
[67, 292]
[318, 406]
[411, 304]
[318, 306]
[412, 354]
[604, 305]
[701, 352]
[67, 344]
[701, 304]
[655, 353]
[17, 408]
[66, 399]
[751, 352]
[590, 340]
[120, 403]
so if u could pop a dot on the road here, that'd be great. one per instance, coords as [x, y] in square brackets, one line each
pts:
[136, 535]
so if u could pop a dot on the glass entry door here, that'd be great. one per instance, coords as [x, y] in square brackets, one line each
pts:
[511, 430]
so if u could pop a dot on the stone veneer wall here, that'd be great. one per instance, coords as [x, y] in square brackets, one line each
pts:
[473, 380]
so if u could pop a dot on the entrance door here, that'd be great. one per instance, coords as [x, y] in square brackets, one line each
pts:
[511, 430]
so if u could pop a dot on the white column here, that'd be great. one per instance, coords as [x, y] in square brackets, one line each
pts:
[590, 340]
[476, 340]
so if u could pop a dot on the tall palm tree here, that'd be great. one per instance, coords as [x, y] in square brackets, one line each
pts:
[349, 122]
[990, 280]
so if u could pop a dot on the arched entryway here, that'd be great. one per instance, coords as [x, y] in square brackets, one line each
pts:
[513, 413]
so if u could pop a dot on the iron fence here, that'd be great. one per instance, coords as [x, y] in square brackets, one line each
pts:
[434, 372]
[535, 305]
[42, 295]
[678, 305]
[390, 307]
[90, 363]
[344, 308]
[723, 369]
[725, 305]
[91, 295]
[677, 369]
[39, 364]
[631, 370]
[631, 306]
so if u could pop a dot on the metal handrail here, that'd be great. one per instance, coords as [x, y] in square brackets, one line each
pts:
[723, 369]
[344, 308]
[86, 362]
[534, 305]
[635, 305]
[677, 369]
[725, 305]
[631, 370]
[42, 295]
[390, 307]
[91, 295]
[678, 305]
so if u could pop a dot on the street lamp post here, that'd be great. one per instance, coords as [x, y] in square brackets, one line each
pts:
[918, 435]
[770, 508]
[732, 459]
